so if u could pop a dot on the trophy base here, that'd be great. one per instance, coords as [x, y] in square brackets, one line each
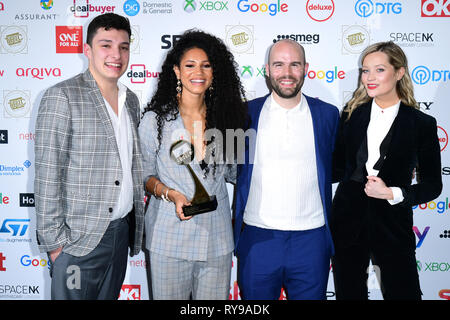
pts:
[198, 208]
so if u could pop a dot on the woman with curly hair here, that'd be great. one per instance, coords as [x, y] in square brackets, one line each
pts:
[198, 92]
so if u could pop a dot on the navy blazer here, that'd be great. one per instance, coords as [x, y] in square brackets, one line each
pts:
[325, 118]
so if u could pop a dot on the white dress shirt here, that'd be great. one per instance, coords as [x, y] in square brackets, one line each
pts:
[380, 122]
[124, 138]
[284, 189]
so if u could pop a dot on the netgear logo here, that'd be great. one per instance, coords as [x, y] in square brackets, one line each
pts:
[435, 8]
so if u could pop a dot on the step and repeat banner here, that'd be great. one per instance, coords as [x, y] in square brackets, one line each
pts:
[41, 44]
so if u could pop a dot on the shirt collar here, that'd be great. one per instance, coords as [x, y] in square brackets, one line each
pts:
[273, 106]
[389, 112]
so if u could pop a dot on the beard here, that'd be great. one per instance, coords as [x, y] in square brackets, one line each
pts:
[286, 93]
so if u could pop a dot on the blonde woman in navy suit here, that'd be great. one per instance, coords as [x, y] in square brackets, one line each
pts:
[198, 89]
[382, 138]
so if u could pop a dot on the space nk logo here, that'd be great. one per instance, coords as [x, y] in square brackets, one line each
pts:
[365, 8]
[422, 75]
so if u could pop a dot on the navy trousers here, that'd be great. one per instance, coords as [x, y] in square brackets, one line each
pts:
[268, 260]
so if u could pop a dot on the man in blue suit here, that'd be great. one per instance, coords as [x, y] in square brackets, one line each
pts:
[284, 189]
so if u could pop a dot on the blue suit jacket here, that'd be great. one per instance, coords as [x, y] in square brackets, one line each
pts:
[325, 118]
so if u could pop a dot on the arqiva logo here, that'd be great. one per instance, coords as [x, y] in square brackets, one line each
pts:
[320, 10]
[38, 73]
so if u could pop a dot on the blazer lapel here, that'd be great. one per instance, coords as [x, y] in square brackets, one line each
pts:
[100, 106]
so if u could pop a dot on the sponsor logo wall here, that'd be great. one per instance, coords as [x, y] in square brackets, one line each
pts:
[41, 44]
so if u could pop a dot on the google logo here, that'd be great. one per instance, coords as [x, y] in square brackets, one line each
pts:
[329, 75]
[27, 261]
[273, 8]
[439, 206]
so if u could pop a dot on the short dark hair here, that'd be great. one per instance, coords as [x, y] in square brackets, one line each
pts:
[107, 21]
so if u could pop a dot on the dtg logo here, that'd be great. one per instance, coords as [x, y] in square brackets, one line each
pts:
[365, 8]
[422, 75]
[420, 236]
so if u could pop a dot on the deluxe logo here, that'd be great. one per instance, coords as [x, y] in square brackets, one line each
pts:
[420, 235]
[139, 73]
[130, 292]
[272, 8]
[422, 75]
[439, 206]
[365, 8]
[2, 6]
[13, 39]
[26, 199]
[443, 138]
[46, 5]
[16, 103]
[4, 199]
[320, 10]
[3, 136]
[69, 39]
[38, 73]
[82, 8]
[435, 8]
[329, 75]
[2, 259]
[131, 7]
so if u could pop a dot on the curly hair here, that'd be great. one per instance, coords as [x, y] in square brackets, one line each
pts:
[226, 106]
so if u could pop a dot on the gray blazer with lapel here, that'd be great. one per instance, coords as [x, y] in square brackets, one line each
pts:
[77, 166]
[205, 235]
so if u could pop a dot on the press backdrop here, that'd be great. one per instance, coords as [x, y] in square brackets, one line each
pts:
[41, 44]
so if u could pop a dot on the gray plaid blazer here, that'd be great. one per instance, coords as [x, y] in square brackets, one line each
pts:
[204, 236]
[77, 166]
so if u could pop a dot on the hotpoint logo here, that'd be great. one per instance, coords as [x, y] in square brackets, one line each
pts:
[422, 75]
[272, 8]
[365, 8]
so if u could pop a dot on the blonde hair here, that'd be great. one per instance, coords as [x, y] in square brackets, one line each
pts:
[397, 59]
